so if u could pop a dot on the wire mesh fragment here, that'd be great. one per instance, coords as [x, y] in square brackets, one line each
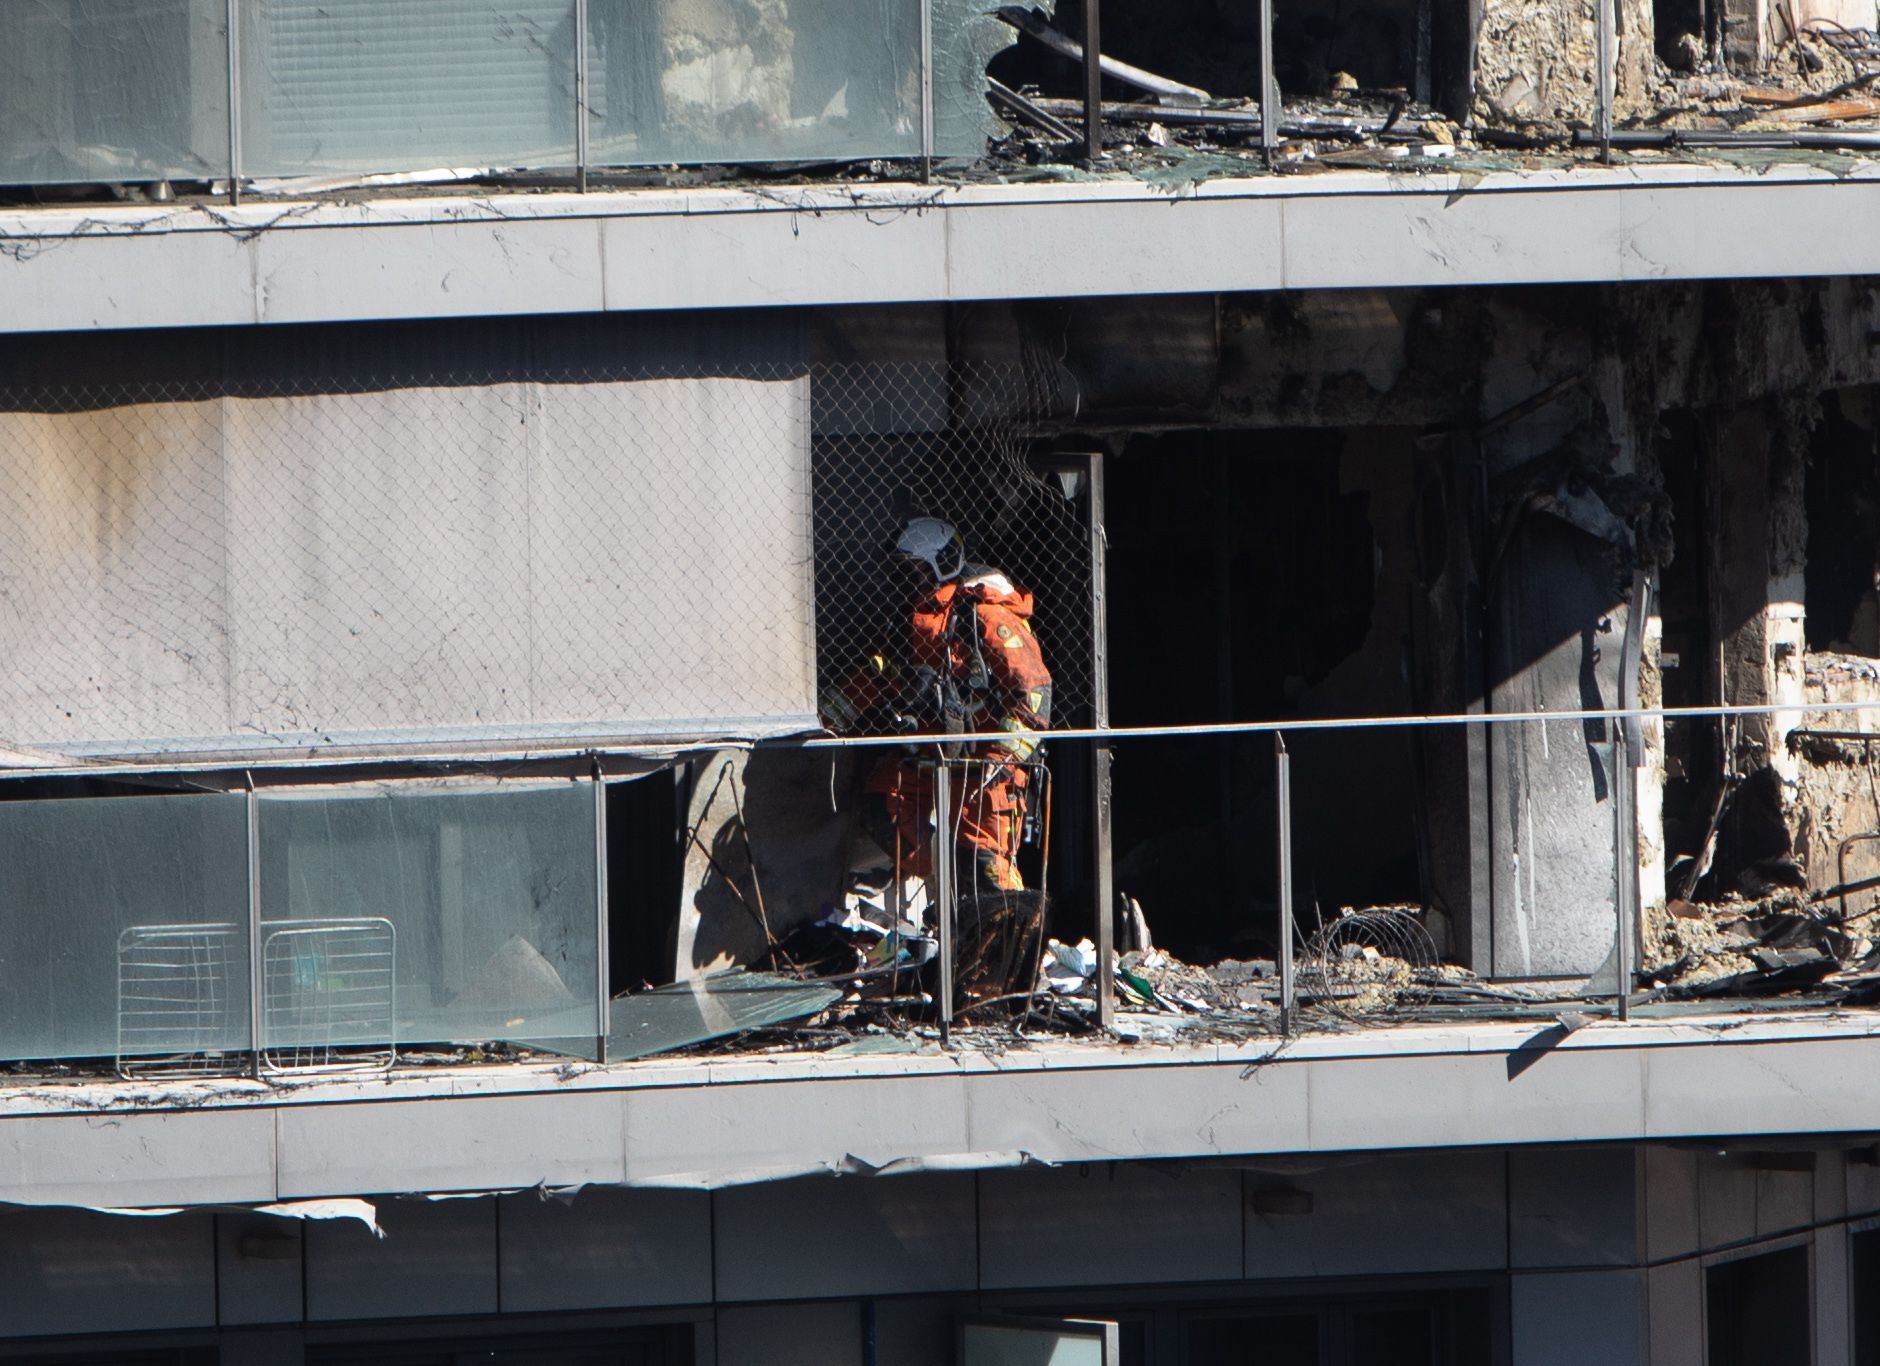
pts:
[1367, 962]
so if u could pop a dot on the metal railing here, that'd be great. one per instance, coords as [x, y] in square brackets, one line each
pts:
[176, 999]
[1619, 751]
[329, 996]
[238, 91]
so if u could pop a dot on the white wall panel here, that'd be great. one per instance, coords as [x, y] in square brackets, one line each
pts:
[1066, 1227]
[340, 1149]
[825, 1236]
[437, 1258]
[258, 1268]
[1671, 1203]
[1411, 1212]
[1741, 1201]
[1573, 1207]
[605, 1249]
[1579, 1318]
[140, 1160]
[69, 1271]
[1676, 1306]
[1863, 1184]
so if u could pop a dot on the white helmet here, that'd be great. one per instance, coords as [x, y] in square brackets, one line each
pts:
[935, 543]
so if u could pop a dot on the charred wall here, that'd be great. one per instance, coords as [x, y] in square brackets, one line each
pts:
[1386, 45]
[1680, 427]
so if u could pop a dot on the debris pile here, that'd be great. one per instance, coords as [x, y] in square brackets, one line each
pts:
[1179, 132]
[1818, 90]
[1782, 943]
[1368, 961]
[1380, 965]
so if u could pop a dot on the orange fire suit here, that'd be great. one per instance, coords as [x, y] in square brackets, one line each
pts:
[989, 661]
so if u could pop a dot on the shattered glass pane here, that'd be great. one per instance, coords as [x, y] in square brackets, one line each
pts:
[123, 925]
[707, 1008]
[753, 80]
[114, 90]
[491, 890]
[406, 85]
[967, 35]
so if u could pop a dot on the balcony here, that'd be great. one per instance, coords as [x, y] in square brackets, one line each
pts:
[312, 927]
[144, 92]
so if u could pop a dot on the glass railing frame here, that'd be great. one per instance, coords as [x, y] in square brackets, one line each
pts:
[582, 75]
[145, 1047]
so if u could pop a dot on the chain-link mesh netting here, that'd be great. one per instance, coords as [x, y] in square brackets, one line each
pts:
[895, 442]
[456, 559]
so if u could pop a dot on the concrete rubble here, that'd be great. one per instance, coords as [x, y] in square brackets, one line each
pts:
[1785, 943]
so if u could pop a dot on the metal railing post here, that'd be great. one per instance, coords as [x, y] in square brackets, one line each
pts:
[1104, 871]
[926, 91]
[1282, 790]
[1602, 109]
[233, 12]
[581, 98]
[1093, 79]
[602, 951]
[1269, 87]
[254, 924]
[1100, 767]
[1628, 757]
[943, 868]
[1624, 871]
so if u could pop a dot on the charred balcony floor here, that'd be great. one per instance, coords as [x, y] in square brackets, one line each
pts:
[1715, 965]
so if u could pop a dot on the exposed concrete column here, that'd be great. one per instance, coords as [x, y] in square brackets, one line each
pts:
[1834, 1310]
[1746, 34]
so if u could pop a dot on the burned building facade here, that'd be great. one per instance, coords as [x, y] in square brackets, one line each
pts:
[450, 458]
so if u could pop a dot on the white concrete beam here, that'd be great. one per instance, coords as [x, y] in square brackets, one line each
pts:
[690, 1124]
[462, 256]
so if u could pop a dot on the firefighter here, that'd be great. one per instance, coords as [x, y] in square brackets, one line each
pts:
[975, 667]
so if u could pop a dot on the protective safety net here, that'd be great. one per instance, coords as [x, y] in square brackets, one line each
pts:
[217, 568]
[282, 570]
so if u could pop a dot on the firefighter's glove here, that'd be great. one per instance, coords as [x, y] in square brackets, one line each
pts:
[839, 713]
[1018, 742]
